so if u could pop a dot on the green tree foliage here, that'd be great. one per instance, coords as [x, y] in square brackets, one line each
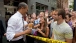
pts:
[71, 6]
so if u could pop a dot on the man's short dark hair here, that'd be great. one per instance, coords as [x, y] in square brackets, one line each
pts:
[61, 12]
[22, 4]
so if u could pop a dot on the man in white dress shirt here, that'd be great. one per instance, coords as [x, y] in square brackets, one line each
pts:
[15, 29]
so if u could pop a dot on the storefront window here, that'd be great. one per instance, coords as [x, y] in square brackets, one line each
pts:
[41, 7]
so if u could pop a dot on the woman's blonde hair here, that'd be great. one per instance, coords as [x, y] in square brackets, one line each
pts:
[45, 24]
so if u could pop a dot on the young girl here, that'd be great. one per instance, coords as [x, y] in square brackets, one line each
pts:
[43, 30]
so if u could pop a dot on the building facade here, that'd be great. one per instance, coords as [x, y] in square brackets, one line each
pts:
[2, 10]
[62, 4]
[9, 7]
[40, 5]
[34, 5]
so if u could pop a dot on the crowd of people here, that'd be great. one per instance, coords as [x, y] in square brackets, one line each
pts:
[59, 24]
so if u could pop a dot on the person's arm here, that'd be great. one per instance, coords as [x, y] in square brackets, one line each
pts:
[44, 34]
[52, 36]
[36, 25]
[47, 32]
[49, 22]
[39, 30]
[68, 35]
[10, 33]
[68, 40]
[22, 33]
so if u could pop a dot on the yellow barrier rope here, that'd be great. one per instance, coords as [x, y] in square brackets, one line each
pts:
[46, 39]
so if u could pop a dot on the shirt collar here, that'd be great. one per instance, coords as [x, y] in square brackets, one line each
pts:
[62, 23]
[19, 14]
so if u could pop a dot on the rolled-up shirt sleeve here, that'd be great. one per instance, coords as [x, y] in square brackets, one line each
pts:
[11, 29]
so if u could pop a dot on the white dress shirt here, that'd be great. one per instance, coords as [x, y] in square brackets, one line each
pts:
[15, 25]
[25, 23]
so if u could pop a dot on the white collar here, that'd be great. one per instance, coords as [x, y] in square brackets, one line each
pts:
[19, 14]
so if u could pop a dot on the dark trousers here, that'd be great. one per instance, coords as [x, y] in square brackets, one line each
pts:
[0, 40]
[18, 41]
[29, 39]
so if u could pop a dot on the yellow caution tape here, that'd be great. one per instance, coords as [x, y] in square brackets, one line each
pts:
[46, 39]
